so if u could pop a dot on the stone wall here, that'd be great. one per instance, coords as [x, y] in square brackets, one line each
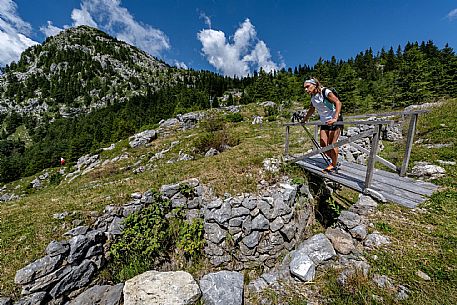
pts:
[240, 231]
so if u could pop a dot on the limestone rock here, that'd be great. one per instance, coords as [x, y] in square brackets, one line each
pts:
[318, 248]
[142, 138]
[341, 240]
[153, 287]
[302, 266]
[101, 295]
[375, 240]
[37, 269]
[222, 288]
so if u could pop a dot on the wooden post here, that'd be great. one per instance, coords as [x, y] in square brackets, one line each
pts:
[316, 133]
[409, 144]
[286, 148]
[372, 157]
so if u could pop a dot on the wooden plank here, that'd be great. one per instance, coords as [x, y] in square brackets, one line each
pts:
[427, 185]
[358, 172]
[410, 185]
[371, 157]
[409, 144]
[337, 144]
[378, 158]
[356, 184]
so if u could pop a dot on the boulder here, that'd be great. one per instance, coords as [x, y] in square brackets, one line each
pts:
[154, 287]
[222, 288]
[341, 240]
[142, 138]
[425, 170]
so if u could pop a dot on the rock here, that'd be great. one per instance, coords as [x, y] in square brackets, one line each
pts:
[211, 152]
[318, 248]
[341, 240]
[214, 233]
[359, 232]
[60, 216]
[240, 211]
[222, 288]
[81, 230]
[289, 230]
[276, 224]
[78, 247]
[260, 223]
[353, 267]
[383, 281]
[153, 287]
[33, 299]
[452, 163]
[252, 239]
[169, 190]
[37, 269]
[5, 301]
[302, 266]
[57, 247]
[375, 240]
[402, 293]
[349, 219]
[272, 165]
[136, 195]
[364, 206]
[101, 295]
[425, 170]
[142, 138]
[78, 277]
[423, 275]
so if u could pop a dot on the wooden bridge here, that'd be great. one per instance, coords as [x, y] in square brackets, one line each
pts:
[383, 185]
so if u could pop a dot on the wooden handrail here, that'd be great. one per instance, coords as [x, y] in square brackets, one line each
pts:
[319, 123]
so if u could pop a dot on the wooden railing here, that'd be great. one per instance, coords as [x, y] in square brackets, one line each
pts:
[374, 134]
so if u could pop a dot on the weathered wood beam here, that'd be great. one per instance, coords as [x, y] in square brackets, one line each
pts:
[337, 144]
[378, 158]
[409, 144]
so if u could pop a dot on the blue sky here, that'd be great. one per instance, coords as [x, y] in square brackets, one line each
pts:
[235, 37]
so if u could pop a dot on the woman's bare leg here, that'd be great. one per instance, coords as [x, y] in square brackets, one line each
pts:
[332, 139]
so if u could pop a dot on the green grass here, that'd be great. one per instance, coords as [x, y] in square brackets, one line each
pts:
[423, 239]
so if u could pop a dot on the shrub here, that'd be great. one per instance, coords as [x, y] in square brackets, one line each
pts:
[234, 117]
[212, 123]
[218, 140]
[151, 236]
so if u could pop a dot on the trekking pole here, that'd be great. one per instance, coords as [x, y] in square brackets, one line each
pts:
[297, 117]
[324, 156]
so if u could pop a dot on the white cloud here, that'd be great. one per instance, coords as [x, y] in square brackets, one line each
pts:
[240, 57]
[109, 16]
[206, 19]
[452, 14]
[82, 17]
[180, 65]
[50, 29]
[13, 33]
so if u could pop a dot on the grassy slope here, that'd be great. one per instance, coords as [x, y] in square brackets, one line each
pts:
[424, 239]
